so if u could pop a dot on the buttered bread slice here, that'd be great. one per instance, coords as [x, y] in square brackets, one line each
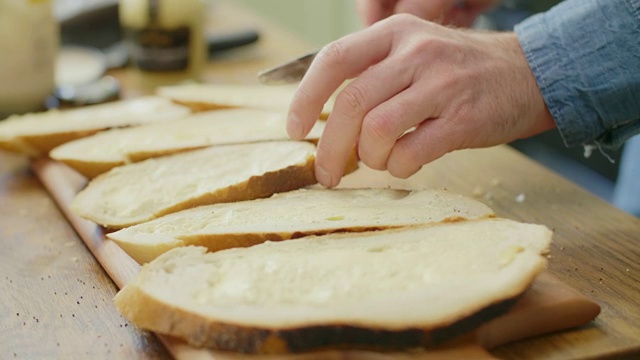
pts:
[36, 134]
[139, 192]
[292, 215]
[99, 153]
[202, 97]
[385, 290]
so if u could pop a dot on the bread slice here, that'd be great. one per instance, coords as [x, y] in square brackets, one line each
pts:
[386, 290]
[200, 97]
[98, 153]
[36, 134]
[292, 215]
[139, 192]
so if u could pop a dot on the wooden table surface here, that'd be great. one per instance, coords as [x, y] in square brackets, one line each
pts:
[56, 299]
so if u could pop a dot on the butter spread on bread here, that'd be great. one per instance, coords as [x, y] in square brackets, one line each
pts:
[98, 153]
[384, 290]
[37, 133]
[139, 192]
[292, 215]
[202, 97]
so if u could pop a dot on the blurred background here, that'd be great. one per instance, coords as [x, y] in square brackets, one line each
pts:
[318, 21]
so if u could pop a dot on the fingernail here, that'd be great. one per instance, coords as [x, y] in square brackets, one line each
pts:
[294, 127]
[323, 177]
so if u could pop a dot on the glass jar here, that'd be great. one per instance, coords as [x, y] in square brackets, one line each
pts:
[164, 39]
[29, 39]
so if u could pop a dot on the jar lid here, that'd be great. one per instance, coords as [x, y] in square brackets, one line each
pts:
[77, 65]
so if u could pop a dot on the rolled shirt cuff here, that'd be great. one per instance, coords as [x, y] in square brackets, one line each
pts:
[585, 56]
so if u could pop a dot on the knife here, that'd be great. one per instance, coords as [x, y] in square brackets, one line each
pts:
[289, 72]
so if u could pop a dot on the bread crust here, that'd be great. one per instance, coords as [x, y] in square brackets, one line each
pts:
[39, 145]
[91, 170]
[149, 313]
[16, 145]
[198, 106]
[46, 142]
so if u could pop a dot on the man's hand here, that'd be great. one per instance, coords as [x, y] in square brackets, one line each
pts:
[448, 12]
[420, 90]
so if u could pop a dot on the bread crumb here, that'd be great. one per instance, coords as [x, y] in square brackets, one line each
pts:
[488, 196]
[496, 181]
[588, 150]
[477, 191]
[520, 198]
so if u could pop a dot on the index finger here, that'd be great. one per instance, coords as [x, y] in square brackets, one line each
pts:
[335, 63]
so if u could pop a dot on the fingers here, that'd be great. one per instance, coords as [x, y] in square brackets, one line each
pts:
[336, 62]
[428, 142]
[384, 124]
[374, 86]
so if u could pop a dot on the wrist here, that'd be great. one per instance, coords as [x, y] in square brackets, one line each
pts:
[534, 110]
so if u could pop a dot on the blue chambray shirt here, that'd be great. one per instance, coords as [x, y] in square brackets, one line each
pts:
[585, 55]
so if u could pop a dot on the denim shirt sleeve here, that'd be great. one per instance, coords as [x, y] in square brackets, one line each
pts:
[585, 55]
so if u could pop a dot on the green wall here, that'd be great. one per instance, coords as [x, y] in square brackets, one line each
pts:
[316, 21]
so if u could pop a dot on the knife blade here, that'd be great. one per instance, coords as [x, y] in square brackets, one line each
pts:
[288, 72]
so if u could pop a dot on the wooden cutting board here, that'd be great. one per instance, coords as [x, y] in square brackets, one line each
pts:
[548, 306]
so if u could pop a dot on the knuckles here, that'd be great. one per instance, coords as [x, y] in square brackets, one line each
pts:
[352, 102]
[402, 20]
[403, 163]
[378, 128]
[401, 171]
[333, 54]
[377, 138]
[407, 157]
[434, 53]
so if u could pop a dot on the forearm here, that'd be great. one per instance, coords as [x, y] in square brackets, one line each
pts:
[585, 55]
